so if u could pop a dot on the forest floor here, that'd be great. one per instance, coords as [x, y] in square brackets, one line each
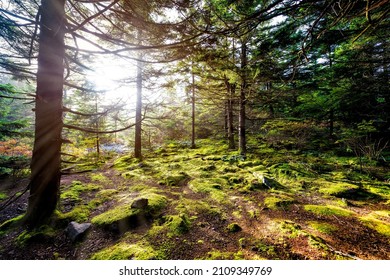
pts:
[206, 203]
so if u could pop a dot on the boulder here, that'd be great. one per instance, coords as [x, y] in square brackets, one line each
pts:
[140, 203]
[76, 231]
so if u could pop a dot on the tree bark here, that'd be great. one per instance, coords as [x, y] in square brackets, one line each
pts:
[230, 89]
[46, 159]
[138, 108]
[193, 109]
[242, 114]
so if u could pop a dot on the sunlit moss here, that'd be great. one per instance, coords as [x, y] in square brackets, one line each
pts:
[125, 163]
[317, 242]
[291, 228]
[328, 210]
[210, 187]
[262, 248]
[11, 223]
[278, 202]
[373, 221]
[125, 251]
[116, 214]
[72, 192]
[177, 224]
[78, 214]
[198, 207]
[322, 227]
[380, 189]
[219, 255]
[99, 177]
[106, 194]
[156, 203]
[333, 188]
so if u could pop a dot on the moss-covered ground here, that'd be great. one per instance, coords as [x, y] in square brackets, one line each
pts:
[211, 203]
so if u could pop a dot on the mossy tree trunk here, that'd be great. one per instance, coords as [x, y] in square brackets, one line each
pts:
[46, 159]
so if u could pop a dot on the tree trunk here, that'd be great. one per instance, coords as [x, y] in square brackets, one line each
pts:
[242, 114]
[230, 89]
[46, 159]
[138, 109]
[193, 109]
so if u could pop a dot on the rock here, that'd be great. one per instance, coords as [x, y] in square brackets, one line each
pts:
[266, 182]
[140, 203]
[76, 231]
[234, 228]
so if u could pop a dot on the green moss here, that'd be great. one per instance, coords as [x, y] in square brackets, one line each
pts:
[78, 214]
[197, 207]
[218, 255]
[107, 194]
[290, 171]
[72, 192]
[234, 227]
[71, 195]
[174, 178]
[125, 251]
[334, 188]
[323, 227]
[374, 223]
[3, 196]
[11, 223]
[99, 177]
[156, 203]
[177, 224]
[317, 242]
[37, 235]
[101, 197]
[209, 186]
[381, 190]
[137, 174]
[121, 212]
[254, 213]
[328, 210]
[291, 228]
[278, 202]
[264, 249]
[125, 163]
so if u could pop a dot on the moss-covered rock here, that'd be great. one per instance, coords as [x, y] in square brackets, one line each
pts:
[124, 216]
[120, 218]
[234, 227]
